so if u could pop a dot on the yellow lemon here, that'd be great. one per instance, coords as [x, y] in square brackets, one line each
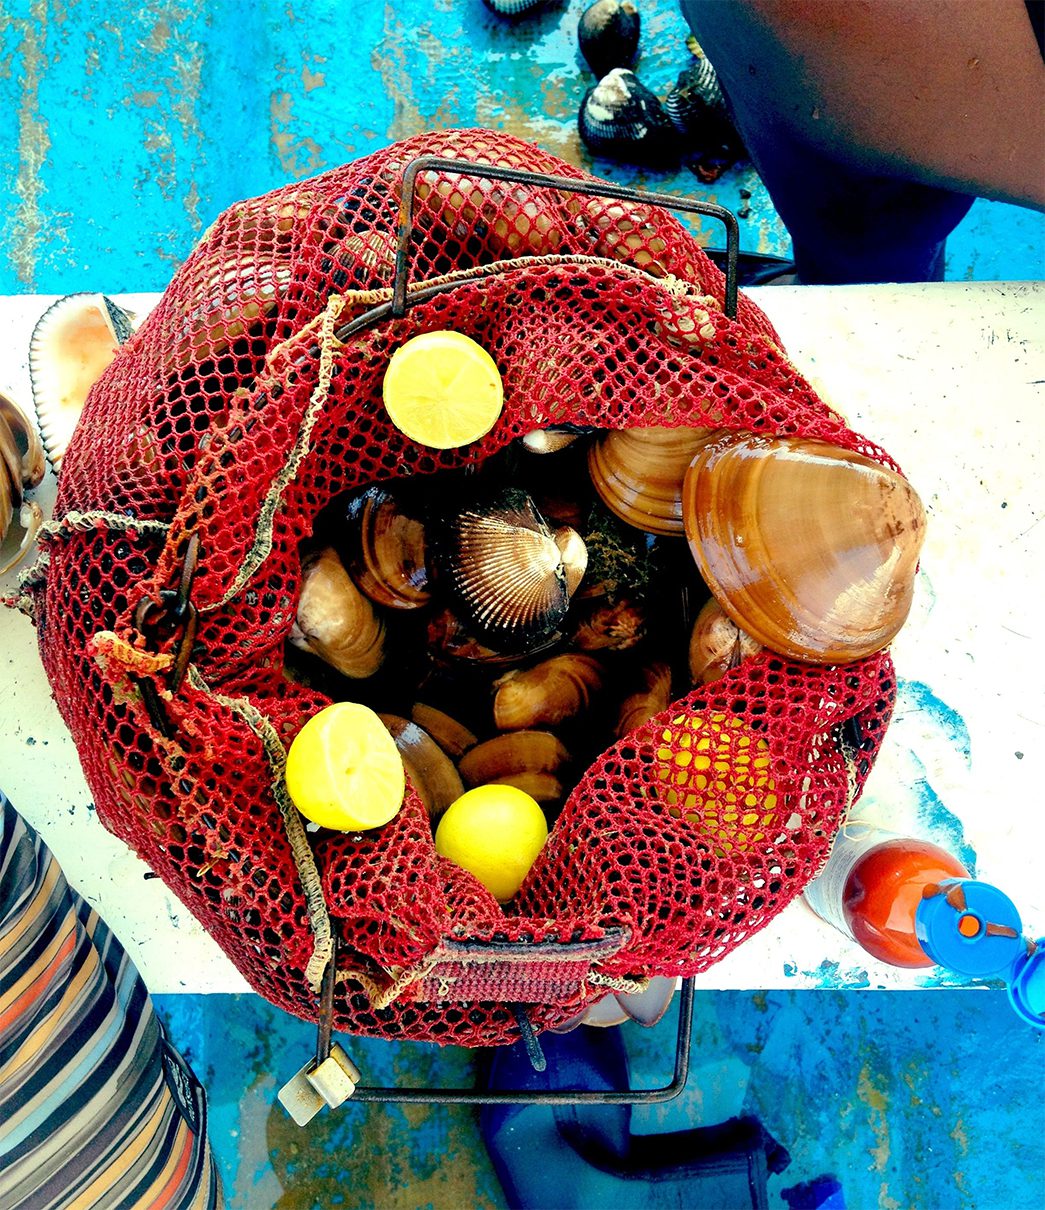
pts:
[495, 832]
[716, 775]
[344, 770]
[443, 390]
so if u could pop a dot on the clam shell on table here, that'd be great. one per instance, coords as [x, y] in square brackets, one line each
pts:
[810, 549]
[429, 768]
[638, 474]
[507, 571]
[695, 104]
[515, 8]
[335, 621]
[621, 119]
[608, 35]
[73, 343]
[384, 548]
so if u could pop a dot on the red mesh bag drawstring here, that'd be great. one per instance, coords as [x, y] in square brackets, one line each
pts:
[169, 582]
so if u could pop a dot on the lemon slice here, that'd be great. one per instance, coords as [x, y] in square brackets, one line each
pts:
[344, 770]
[495, 832]
[443, 390]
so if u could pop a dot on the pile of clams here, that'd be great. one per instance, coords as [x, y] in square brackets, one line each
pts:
[509, 623]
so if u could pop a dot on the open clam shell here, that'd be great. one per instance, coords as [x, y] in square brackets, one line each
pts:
[506, 569]
[383, 546]
[810, 549]
[638, 474]
[72, 345]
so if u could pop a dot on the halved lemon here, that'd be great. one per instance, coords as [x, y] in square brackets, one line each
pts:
[443, 390]
[344, 770]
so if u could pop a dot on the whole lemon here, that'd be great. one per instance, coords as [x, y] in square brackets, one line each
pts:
[495, 832]
[344, 770]
[715, 773]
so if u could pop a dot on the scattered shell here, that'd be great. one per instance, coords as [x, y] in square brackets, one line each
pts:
[453, 737]
[638, 474]
[608, 35]
[335, 621]
[72, 345]
[620, 118]
[548, 693]
[383, 547]
[511, 753]
[651, 699]
[809, 548]
[515, 8]
[430, 770]
[717, 645]
[504, 567]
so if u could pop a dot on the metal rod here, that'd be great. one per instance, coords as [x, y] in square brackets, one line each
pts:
[565, 184]
[558, 1096]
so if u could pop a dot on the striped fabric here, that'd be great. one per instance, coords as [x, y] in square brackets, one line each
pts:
[97, 1110]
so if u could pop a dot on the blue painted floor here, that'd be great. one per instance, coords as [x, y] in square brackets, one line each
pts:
[124, 130]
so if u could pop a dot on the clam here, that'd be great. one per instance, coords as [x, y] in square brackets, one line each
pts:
[698, 111]
[508, 571]
[646, 1007]
[383, 547]
[551, 439]
[515, 8]
[432, 772]
[234, 299]
[609, 623]
[638, 474]
[73, 343]
[450, 642]
[654, 696]
[514, 752]
[810, 549]
[620, 118]
[608, 35]
[544, 788]
[21, 468]
[548, 693]
[335, 621]
[717, 645]
[453, 737]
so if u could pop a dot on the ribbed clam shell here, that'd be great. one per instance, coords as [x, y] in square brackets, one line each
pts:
[515, 8]
[507, 573]
[620, 118]
[608, 35]
[696, 99]
[73, 343]
[810, 549]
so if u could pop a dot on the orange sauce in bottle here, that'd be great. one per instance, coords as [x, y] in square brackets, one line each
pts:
[882, 894]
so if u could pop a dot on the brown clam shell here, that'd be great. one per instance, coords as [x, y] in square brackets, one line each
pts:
[654, 696]
[609, 624]
[511, 753]
[717, 644]
[810, 549]
[638, 474]
[453, 737]
[335, 621]
[505, 568]
[384, 549]
[429, 768]
[548, 693]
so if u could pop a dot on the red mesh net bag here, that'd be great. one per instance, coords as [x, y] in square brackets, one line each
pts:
[238, 412]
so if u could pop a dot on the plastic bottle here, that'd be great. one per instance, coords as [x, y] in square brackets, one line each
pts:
[871, 887]
[910, 903]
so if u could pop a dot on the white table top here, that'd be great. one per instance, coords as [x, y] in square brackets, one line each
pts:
[947, 378]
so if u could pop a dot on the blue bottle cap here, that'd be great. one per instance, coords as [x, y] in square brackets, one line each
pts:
[970, 927]
[1027, 984]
